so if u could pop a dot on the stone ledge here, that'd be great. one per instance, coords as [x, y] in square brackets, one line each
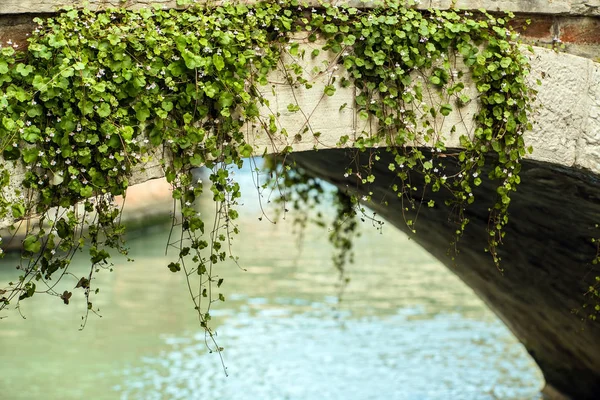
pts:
[554, 7]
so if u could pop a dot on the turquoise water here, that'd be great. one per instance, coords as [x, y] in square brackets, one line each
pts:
[406, 328]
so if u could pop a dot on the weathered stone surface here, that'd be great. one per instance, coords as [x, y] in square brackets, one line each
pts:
[546, 256]
[574, 7]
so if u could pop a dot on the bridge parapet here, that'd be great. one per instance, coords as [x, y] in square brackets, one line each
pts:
[571, 25]
[566, 130]
[551, 7]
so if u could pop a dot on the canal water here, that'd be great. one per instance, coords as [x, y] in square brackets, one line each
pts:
[406, 327]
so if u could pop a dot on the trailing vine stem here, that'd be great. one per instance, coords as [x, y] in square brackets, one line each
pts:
[95, 94]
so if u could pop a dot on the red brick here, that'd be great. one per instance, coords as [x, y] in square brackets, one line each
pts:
[581, 31]
[16, 30]
[539, 28]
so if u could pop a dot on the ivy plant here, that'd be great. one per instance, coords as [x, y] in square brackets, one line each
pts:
[96, 95]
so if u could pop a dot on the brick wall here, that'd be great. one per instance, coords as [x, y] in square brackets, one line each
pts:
[577, 35]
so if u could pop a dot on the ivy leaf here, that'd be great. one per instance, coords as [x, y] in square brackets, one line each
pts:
[83, 283]
[174, 267]
[32, 244]
[141, 112]
[66, 296]
[446, 109]
[8, 123]
[505, 62]
[225, 100]
[218, 62]
[329, 90]
[23, 69]
[498, 98]
[245, 150]
[18, 210]
[211, 90]
[57, 40]
[31, 134]
[103, 110]
[62, 228]
[86, 191]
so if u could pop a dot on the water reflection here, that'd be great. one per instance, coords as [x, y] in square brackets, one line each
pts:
[407, 329]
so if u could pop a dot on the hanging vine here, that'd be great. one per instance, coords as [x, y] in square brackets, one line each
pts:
[96, 95]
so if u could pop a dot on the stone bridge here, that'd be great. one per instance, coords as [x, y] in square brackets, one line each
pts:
[547, 251]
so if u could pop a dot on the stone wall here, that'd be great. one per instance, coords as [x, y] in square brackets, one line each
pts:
[554, 7]
[573, 26]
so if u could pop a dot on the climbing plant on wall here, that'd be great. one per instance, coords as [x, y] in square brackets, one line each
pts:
[96, 95]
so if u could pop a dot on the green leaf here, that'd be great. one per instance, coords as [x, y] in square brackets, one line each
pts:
[18, 210]
[103, 110]
[174, 267]
[211, 90]
[31, 134]
[9, 123]
[30, 155]
[32, 244]
[86, 191]
[225, 100]
[23, 69]
[245, 150]
[445, 109]
[329, 90]
[505, 62]
[141, 112]
[218, 62]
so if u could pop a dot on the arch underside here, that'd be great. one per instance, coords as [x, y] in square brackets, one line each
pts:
[546, 255]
